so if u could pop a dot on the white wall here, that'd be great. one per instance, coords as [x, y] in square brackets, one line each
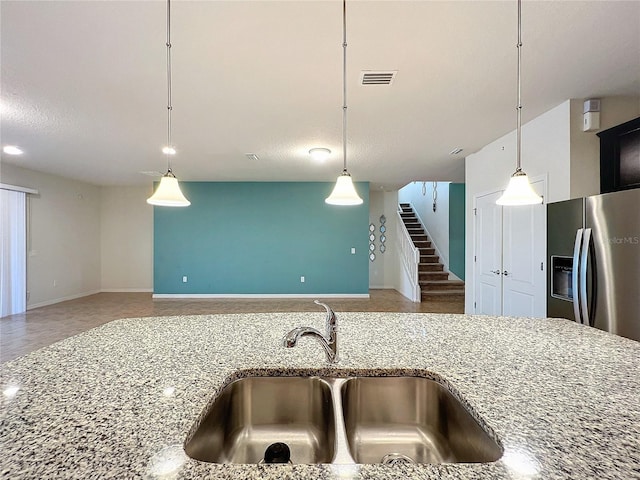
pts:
[84, 238]
[545, 152]
[63, 244]
[383, 272]
[436, 223]
[585, 146]
[126, 239]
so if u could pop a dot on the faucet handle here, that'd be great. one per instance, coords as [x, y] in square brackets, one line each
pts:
[331, 320]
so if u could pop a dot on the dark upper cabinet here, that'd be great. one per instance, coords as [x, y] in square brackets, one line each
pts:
[620, 157]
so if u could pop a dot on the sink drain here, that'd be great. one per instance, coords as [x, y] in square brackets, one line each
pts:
[277, 453]
[396, 459]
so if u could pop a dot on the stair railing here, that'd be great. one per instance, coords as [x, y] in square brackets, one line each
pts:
[410, 257]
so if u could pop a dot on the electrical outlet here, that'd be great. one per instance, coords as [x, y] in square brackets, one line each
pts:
[184, 279]
[301, 279]
[353, 250]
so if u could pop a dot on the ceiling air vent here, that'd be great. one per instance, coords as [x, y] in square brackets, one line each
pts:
[252, 156]
[377, 77]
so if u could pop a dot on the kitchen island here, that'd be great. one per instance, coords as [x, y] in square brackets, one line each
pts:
[119, 401]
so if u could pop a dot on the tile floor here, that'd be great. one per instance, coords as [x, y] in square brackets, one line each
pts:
[37, 328]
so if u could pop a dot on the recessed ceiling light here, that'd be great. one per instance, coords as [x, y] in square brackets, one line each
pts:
[455, 151]
[12, 150]
[168, 150]
[320, 154]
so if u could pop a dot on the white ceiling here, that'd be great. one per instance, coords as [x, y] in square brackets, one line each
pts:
[84, 83]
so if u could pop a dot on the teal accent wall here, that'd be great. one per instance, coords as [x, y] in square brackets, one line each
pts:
[260, 238]
[456, 229]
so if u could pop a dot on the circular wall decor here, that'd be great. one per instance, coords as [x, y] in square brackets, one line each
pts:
[372, 239]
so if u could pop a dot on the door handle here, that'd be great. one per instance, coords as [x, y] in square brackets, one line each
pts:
[497, 272]
[505, 273]
[584, 259]
[575, 276]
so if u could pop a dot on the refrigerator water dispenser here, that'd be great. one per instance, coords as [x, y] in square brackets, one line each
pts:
[562, 277]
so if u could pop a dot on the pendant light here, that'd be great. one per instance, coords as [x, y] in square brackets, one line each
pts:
[519, 191]
[344, 193]
[168, 193]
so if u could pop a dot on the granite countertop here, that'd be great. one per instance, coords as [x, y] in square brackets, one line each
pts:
[118, 401]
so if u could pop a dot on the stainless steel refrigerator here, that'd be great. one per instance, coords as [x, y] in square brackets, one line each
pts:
[593, 249]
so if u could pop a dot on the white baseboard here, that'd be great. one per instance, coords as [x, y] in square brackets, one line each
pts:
[258, 295]
[381, 287]
[127, 290]
[61, 299]
[198, 295]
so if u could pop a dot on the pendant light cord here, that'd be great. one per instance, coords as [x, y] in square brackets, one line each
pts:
[344, 85]
[519, 108]
[169, 106]
[519, 190]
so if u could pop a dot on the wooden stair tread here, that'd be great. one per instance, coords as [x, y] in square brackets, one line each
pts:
[443, 296]
[430, 267]
[427, 286]
[434, 275]
[443, 292]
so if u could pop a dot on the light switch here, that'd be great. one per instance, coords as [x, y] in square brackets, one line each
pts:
[301, 279]
[353, 250]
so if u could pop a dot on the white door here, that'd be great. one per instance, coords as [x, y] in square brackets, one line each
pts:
[523, 259]
[488, 255]
[509, 257]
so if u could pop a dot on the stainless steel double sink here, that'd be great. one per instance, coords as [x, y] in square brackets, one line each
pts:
[340, 420]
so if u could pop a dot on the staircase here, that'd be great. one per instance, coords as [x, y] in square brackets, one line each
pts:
[434, 281]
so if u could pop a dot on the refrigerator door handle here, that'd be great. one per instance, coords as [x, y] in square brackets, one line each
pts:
[584, 258]
[575, 277]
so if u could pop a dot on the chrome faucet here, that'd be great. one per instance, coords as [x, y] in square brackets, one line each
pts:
[328, 342]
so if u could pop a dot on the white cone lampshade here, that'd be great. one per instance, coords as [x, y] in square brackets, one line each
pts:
[344, 193]
[168, 193]
[519, 191]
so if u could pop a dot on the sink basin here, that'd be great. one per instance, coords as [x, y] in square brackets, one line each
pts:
[414, 419]
[340, 420]
[252, 413]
